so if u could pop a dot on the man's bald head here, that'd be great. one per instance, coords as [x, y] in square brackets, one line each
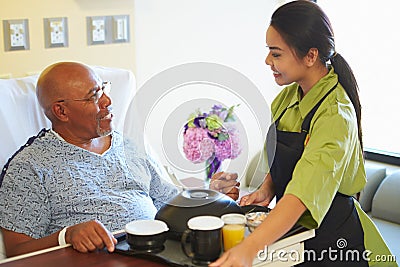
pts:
[57, 82]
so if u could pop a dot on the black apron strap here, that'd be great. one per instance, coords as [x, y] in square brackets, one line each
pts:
[305, 127]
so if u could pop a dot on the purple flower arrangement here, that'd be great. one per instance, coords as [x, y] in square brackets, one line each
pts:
[211, 137]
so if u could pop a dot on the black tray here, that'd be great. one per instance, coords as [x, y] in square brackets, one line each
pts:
[172, 253]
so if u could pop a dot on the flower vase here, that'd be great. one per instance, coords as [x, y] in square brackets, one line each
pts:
[213, 165]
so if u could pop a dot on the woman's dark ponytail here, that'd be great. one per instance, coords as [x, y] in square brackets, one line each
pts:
[349, 83]
[304, 25]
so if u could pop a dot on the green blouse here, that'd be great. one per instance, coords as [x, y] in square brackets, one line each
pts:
[332, 160]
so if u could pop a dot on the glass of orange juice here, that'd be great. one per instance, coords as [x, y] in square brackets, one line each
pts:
[233, 229]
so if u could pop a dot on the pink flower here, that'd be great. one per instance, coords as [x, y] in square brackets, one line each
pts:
[229, 148]
[197, 146]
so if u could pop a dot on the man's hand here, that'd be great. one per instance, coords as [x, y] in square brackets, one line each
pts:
[226, 183]
[83, 237]
[89, 236]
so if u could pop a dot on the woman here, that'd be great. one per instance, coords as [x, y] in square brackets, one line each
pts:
[315, 154]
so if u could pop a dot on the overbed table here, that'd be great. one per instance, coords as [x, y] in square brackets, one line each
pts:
[293, 246]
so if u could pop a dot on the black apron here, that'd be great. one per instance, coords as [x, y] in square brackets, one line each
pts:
[340, 230]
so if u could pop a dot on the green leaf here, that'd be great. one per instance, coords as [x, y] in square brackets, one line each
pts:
[214, 122]
[223, 136]
[231, 116]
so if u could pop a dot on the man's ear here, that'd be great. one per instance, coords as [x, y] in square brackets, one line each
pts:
[59, 111]
[311, 57]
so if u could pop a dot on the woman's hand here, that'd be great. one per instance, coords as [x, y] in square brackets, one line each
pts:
[242, 255]
[262, 196]
[226, 183]
[279, 221]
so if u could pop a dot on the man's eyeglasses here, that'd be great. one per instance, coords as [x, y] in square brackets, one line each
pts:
[97, 94]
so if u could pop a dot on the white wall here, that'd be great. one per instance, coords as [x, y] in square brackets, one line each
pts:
[230, 32]
[227, 32]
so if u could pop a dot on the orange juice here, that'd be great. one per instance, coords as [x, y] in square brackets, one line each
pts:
[232, 234]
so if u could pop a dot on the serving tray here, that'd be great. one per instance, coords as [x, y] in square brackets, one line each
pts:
[173, 254]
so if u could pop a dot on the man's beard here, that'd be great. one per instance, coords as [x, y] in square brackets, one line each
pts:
[104, 132]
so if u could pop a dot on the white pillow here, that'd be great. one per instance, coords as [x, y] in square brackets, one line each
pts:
[20, 114]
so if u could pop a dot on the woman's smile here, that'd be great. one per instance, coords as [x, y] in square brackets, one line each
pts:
[276, 74]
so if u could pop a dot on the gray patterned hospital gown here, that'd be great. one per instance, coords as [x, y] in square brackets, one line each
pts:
[50, 184]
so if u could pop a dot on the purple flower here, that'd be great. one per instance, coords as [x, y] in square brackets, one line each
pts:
[219, 111]
[229, 148]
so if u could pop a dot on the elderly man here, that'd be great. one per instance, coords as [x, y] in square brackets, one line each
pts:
[73, 183]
